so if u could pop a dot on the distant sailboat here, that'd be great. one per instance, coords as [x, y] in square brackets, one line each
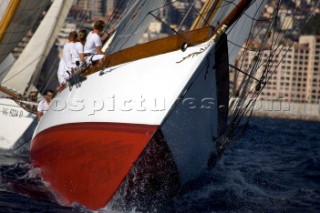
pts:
[149, 116]
[16, 114]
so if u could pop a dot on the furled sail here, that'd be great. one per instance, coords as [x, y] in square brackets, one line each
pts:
[29, 64]
[16, 19]
[134, 24]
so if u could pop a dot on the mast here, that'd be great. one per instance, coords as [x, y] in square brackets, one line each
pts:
[168, 44]
[8, 16]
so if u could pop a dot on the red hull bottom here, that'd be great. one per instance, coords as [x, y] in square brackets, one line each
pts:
[88, 163]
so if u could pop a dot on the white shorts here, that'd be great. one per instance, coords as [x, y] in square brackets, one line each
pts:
[93, 58]
[62, 74]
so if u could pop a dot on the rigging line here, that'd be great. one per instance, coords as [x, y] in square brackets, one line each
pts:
[185, 17]
[291, 21]
[55, 61]
[205, 20]
[239, 114]
[278, 38]
[183, 37]
[243, 72]
[256, 62]
[128, 24]
[259, 93]
[30, 12]
[236, 123]
[245, 82]
[288, 38]
[251, 36]
[254, 19]
[280, 61]
[243, 111]
[250, 105]
[280, 50]
[114, 13]
[57, 58]
[128, 8]
[247, 48]
[269, 77]
[272, 25]
[22, 70]
[246, 91]
[82, 22]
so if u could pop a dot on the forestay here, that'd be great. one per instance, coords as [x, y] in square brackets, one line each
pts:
[134, 24]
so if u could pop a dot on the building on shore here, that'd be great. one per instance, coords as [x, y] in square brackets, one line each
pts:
[294, 75]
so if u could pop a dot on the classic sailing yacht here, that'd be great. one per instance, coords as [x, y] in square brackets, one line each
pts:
[147, 117]
[16, 115]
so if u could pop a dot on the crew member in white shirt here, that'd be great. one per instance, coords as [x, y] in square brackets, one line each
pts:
[43, 105]
[78, 50]
[66, 65]
[93, 46]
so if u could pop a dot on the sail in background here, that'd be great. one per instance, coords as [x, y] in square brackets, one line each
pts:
[27, 67]
[16, 19]
[16, 121]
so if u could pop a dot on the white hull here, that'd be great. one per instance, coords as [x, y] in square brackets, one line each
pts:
[15, 124]
[146, 92]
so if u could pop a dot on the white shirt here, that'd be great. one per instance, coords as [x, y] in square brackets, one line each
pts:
[43, 106]
[67, 55]
[77, 49]
[93, 41]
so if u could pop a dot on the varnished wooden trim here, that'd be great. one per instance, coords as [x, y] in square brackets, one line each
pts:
[168, 44]
[9, 92]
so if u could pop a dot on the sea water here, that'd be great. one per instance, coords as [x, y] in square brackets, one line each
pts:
[274, 167]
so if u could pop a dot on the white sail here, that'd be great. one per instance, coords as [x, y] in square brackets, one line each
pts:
[32, 58]
[23, 18]
[134, 24]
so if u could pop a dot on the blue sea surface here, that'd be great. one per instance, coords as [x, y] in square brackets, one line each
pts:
[274, 167]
